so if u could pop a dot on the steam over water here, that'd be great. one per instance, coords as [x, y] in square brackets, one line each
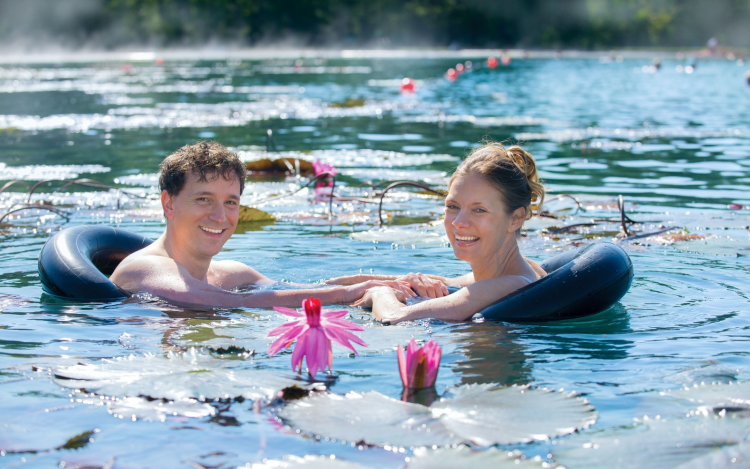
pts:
[141, 383]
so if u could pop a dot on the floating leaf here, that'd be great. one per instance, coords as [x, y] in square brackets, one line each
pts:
[654, 443]
[78, 441]
[349, 102]
[716, 395]
[463, 456]
[478, 414]
[280, 165]
[308, 462]
[250, 333]
[250, 214]
[175, 377]
[137, 408]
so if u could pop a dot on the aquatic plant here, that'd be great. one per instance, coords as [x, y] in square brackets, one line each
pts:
[314, 333]
[320, 167]
[419, 366]
[476, 414]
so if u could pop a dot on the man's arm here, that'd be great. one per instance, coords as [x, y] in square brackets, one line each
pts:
[165, 278]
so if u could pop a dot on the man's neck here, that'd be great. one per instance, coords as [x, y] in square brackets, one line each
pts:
[196, 266]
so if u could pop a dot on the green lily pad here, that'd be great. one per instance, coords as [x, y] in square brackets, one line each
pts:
[477, 414]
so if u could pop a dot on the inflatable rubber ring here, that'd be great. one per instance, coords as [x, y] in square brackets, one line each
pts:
[76, 262]
[579, 282]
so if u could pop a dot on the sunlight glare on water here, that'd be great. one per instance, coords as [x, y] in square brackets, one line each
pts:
[142, 383]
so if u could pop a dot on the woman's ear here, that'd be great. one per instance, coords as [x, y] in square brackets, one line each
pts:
[516, 219]
[166, 204]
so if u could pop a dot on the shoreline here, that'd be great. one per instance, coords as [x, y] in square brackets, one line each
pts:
[355, 54]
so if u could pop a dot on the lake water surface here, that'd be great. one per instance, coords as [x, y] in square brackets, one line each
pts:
[666, 370]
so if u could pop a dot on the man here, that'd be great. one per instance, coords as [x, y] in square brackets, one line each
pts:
[200, 187]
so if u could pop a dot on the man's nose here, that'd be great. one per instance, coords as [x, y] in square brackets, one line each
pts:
[218, 213]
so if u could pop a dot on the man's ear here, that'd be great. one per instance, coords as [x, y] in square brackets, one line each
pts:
[166, 204]
[516, 219]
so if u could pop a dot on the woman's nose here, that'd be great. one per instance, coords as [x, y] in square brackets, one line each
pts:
[461, 219]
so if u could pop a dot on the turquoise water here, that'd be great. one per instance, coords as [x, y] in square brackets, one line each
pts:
[675, 145]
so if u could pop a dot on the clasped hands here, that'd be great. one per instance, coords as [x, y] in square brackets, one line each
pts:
[405, 287]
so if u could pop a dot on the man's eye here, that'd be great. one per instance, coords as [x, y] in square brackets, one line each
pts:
[480, 210]
[232, 203]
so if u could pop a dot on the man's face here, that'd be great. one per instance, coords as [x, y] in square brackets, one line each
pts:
[203, 215]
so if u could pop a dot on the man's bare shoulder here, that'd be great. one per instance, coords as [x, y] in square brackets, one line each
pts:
[141, 267]
[228, 274]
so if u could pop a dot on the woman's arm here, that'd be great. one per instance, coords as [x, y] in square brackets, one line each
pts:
[459, 306]
[429, 286]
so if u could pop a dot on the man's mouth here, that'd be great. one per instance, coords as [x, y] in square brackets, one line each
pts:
[211, 230]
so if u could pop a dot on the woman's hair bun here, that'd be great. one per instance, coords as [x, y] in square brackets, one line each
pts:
[511, 170]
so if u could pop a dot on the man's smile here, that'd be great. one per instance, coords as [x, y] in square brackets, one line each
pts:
[211, 230]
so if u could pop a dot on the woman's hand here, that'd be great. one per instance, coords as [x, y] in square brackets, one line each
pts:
[424, 285]
[400, 289]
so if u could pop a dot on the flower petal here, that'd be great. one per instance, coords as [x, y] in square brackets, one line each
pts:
[402, 366]
[342, 323]
[278, 330]
[288, 311]
[286, 338]
[299, 352]
[335, 314]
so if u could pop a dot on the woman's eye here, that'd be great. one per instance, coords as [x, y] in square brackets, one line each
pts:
[480, 210]
[451, 207]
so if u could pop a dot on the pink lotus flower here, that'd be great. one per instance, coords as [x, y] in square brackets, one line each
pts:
[419, 366]
[314, 333]
[320, 167]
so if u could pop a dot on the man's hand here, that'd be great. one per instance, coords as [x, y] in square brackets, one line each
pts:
[401, 290]
[424, 285]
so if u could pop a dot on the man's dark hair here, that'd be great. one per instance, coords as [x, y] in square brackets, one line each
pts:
[207, 160]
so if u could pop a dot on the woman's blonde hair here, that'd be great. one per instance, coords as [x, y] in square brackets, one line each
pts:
[512, 171]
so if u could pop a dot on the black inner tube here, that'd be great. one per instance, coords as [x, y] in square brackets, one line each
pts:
[76, 262]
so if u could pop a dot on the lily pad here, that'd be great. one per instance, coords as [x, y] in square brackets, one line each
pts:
[138, 408]
[463, 456]
[250, 214]
[481, 414]
[250, 333]
[717, 395]
[655, 443]
[177, 376]
[308, 462]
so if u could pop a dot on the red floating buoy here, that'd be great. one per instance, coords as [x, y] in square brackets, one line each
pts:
[408, 86]
[159, 61]
[460, 68]
[505, 60]
[451, 74]
[492, 62]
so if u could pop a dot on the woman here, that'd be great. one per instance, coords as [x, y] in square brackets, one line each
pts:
[489, 198]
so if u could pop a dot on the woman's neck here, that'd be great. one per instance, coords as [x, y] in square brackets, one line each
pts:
[507, 261]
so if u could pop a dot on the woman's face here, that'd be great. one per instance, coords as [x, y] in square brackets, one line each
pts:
[476, 219]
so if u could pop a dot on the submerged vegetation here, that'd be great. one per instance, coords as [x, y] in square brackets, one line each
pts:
[587, 24]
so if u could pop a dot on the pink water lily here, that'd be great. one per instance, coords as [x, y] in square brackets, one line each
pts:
[419, 366]
[314, 332]
[320, 167]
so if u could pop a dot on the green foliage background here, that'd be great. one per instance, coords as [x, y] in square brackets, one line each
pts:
[583, 24]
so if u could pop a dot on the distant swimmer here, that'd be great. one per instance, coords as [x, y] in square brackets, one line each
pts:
[490, 195]
[747, 77]
[201, 185]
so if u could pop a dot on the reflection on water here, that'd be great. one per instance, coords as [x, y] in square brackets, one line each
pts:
[674, 145]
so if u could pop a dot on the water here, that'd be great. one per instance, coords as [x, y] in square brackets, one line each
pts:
[675, 145]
